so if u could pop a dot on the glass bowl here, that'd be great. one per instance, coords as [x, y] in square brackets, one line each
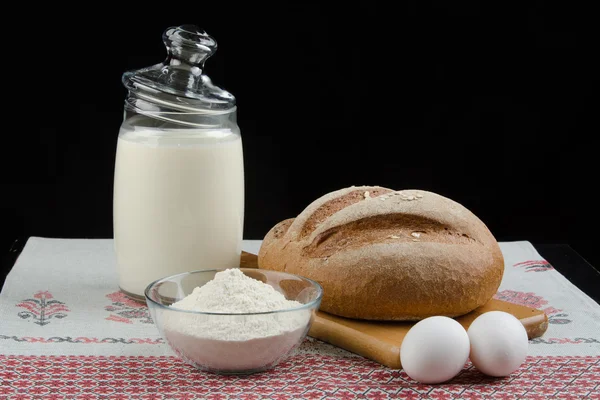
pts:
[204, 339]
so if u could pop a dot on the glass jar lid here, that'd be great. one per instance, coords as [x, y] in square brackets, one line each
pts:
[180, 80]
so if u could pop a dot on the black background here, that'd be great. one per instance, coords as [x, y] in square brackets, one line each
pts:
[494, 108]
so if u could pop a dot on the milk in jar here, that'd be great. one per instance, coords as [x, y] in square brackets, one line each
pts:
[178, 202]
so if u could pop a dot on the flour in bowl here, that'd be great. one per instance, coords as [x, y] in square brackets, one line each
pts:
[230, 342]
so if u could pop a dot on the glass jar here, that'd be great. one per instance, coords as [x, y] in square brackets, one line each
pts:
[178, 201]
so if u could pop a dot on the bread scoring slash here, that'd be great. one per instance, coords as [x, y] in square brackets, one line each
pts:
[390, 255]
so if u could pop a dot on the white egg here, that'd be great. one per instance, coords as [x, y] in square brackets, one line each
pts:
[498, 343]
[434, 350]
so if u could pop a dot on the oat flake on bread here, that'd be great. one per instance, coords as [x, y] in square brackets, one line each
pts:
[389, 255]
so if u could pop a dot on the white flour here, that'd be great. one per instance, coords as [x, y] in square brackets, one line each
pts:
[231, 291]
[234, 342]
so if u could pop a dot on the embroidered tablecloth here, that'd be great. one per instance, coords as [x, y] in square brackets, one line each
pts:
[66, 332]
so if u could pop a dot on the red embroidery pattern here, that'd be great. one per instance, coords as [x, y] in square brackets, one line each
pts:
[42, 308]
[576, 340]
[302, 376]
[530, 299]
[535, 265]
[81, 339]
[127, 310]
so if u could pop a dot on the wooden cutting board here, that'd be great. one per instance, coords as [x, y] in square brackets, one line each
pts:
[380, 341]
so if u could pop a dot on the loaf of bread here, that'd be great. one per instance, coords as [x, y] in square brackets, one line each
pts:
[389, 255]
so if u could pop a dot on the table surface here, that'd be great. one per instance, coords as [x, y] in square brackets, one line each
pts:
[562, 257]
[94, 342]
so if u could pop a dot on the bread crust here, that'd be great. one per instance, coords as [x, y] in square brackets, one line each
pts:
[394, 255]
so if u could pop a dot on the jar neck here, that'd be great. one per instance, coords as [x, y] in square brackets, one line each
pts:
[175, 110]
